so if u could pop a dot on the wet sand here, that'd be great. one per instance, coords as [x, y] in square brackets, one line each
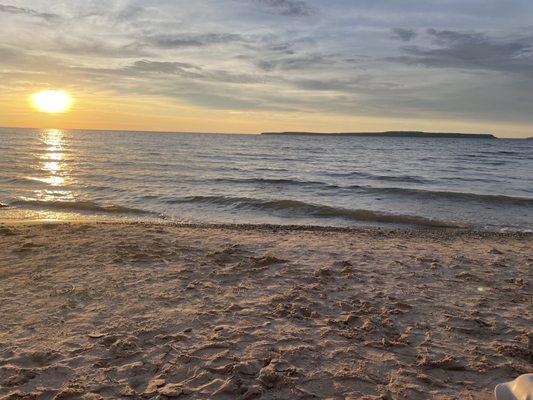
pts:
[140, 311]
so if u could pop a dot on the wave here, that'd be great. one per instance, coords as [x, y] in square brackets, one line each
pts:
[399, 178]
[408, 192]
[272, 181]
[465, 196]
[303, 209]
[82, 206]
[390, 178]
[298, 182]
[504, 152]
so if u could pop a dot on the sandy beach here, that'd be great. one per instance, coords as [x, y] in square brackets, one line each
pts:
[142, 311]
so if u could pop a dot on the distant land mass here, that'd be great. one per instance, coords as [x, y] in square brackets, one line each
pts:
[400, 134]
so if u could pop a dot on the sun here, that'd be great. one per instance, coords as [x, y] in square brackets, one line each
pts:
[52, 101]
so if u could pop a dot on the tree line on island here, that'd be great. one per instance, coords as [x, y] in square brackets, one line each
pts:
[400, 134]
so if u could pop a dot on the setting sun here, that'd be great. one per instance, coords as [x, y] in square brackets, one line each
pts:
[52, 101]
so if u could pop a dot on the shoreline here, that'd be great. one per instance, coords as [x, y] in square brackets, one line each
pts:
[437, 232]
[106, 310]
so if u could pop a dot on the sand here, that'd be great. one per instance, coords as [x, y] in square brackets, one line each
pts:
[140, 311]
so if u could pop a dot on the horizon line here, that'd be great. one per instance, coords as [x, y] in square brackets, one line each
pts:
[246, 133]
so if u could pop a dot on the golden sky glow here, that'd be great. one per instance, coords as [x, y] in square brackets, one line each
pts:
[149, 113]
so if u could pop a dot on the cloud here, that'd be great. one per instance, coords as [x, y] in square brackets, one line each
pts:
[189, 71]
[91, 46]
[193, 40]
[130, 12]
[162, 66]
[286, 8]
[348, 85]
[292, 63]
[27, 11]
[478, 51]
[405, 35]
[153, 73]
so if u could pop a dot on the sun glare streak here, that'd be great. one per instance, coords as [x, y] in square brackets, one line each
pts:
[52, 101]
[53, 138]
[52, 165]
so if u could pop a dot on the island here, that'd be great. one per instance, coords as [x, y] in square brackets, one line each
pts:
[400, 134]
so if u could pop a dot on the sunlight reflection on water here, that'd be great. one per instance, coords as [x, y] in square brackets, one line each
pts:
[53, 169]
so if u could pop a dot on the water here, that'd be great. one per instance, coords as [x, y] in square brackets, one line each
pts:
[338, 181]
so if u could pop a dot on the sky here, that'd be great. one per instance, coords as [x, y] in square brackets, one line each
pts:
[262, 65]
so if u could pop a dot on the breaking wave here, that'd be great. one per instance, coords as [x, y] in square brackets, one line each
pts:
[406, 192]
[303, 209]
[435, 195]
